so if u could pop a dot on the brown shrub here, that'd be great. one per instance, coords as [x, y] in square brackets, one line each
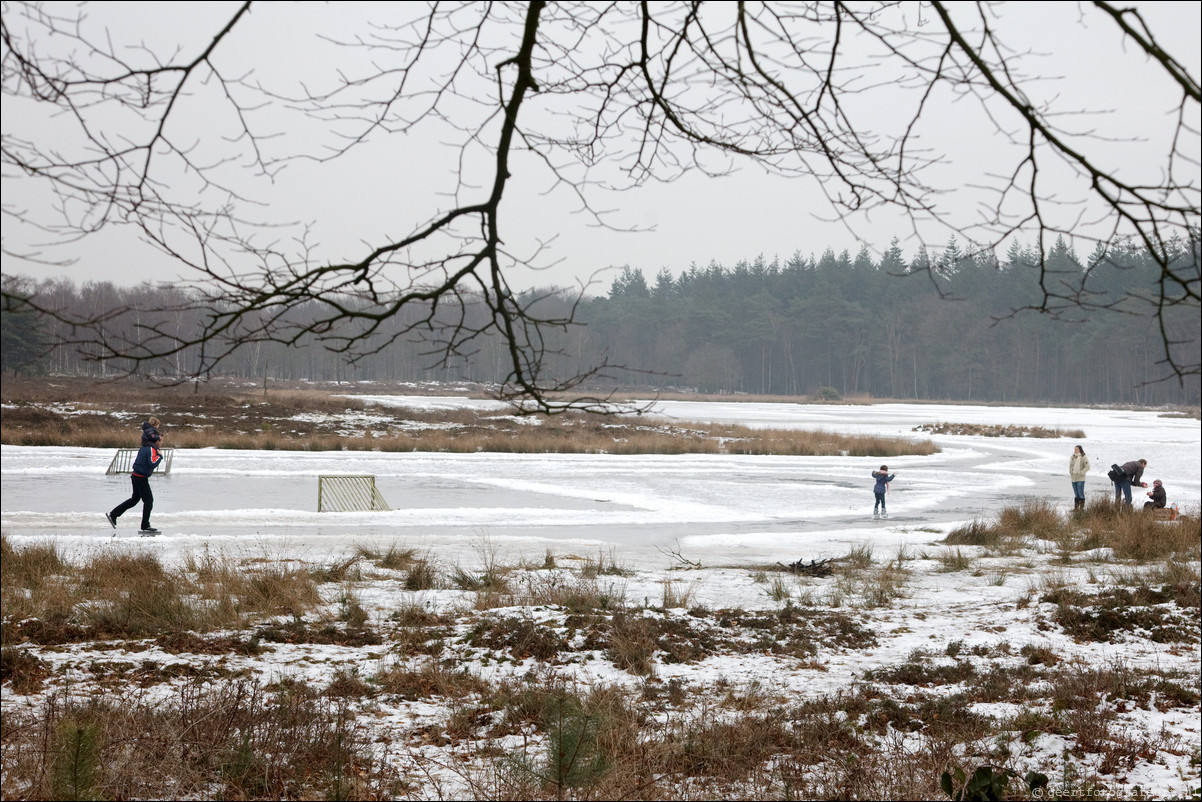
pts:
[519, 636]
[33, 418]
[277, 590]
[999, 430]
[975, 533]
[1137, 535]
[25, 671]
[132, 595]
[632, 643]
[429, 679]
[38, 589]
[29, 566]
[1034, 517]
[231, 739]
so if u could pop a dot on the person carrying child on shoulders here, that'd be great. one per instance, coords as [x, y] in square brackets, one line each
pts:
[883, 478]
[149, 457]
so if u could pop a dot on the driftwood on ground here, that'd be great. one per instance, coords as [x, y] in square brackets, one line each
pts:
[812, 568]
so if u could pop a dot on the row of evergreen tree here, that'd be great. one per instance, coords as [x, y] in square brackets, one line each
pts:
[957, 326]
[939, 327]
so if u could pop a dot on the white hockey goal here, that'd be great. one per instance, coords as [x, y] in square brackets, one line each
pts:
[123, 460]
[348, 493]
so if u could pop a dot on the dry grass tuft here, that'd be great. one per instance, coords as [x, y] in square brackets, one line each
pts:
[953, 560]
[278, 590]
[25, 671]
[1033, 518]
[231, 740]
[1135, 535]
[422, 575]
[34, 584]
[429, 679]
[576, 594]
[119, 594]
[135, 597]
[398, 559]
[632, 642]
[1131, 534]
[1013, 527]
[974, 533]
[595, 568]
[999, 430]
[31, 565]
[860, 584]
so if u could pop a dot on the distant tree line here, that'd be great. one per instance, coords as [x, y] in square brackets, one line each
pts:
[937, 326]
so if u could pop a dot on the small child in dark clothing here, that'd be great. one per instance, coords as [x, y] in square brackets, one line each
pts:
[883, 478]
[150, 433]
[1158, 496]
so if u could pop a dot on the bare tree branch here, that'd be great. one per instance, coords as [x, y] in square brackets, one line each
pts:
[591, 98]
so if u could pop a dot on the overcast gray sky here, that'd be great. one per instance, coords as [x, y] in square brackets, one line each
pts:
[394, 182]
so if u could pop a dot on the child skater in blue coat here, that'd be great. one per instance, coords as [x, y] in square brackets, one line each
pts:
[883, 478]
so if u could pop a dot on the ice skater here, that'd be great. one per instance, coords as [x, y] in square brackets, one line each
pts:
[147, 460]
[883, 478]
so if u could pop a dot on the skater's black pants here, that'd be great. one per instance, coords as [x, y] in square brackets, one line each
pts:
[141, 493]
[880, 502]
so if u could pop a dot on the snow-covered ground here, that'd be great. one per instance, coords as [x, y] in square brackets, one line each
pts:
[730, 514]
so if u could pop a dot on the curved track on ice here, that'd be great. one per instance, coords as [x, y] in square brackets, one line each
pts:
[712, 508]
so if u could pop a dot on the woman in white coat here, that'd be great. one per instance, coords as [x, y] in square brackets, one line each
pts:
[1078, 466]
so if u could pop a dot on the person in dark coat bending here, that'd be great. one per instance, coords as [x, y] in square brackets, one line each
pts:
[1132, 474]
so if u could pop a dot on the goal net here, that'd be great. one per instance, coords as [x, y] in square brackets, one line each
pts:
[123, 460]
[348, 494]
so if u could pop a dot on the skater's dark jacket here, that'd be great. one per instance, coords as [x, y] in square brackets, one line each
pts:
[147, 460]
[150, 435]
[881, 481]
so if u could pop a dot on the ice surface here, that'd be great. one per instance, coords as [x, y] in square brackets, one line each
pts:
[716, 507]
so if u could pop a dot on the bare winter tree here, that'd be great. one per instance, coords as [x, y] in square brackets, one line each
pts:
[183, 136]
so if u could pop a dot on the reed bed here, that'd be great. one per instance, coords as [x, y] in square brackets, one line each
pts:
[48, 598]
[999, 430]
[224, 739]
[1132, 534]
[313, 420]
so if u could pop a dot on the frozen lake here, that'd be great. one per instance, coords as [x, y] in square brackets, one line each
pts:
[714, 508]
